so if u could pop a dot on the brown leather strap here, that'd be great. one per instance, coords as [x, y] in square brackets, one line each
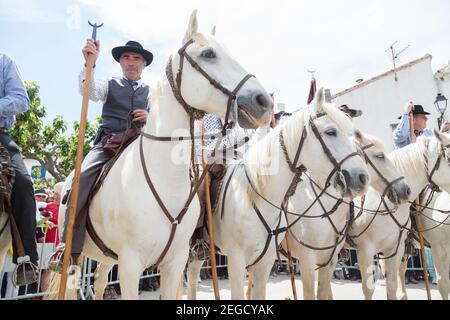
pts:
[174, 221]
[98, 241]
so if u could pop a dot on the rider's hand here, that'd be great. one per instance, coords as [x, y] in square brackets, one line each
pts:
[91, 47]
[409, 108]
[140, 115]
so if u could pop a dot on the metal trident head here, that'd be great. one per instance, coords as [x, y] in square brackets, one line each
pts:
[95, 26]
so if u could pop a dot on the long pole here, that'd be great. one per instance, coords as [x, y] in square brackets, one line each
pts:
[212, 251]
[76, 180]
[419, 223]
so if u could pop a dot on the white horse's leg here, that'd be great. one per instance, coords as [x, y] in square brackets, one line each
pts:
[250, 281]
[193, 271]
[441, 262]
[130, 270]
[101, 279]
[401, 277]
[324, 288]
[392, 267]
[366, 266]
[236, 273]
[172, 273]
[261, 275]
[307, 270]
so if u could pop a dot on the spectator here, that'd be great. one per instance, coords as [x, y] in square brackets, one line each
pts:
[14, 101]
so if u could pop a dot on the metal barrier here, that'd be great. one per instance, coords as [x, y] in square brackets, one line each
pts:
[35, 291]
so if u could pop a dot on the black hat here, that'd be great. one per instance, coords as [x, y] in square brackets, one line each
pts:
[418, 109]
[351, 112]
[40, 192]
[132, 46]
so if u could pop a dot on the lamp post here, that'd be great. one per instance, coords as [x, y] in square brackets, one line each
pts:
[441, 107]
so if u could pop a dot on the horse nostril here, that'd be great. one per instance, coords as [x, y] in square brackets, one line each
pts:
[408, 191]
[363, 178]
[261, 100]
[346, 176]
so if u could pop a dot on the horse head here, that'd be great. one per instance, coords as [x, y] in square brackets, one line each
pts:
[329, 155]
[385, 178]
[209, 79]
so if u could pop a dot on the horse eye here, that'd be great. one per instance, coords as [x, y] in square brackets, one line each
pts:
[381, 156]
[331, 132]
[209, 54]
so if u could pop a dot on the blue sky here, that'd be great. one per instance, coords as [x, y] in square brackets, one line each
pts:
[278, 41]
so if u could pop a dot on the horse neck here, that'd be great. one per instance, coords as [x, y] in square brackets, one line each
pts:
[167, 118]
[274, 184]
[412, 166]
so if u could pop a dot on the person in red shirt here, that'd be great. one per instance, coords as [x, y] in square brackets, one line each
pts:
[52, 210]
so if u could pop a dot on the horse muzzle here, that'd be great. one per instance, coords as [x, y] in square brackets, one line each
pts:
[254, 109]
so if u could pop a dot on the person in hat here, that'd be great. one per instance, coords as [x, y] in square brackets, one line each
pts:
[351, 113]
[125, 101]
[14, 101]
[402, 133]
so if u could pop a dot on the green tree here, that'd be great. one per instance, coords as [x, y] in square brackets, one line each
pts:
[48, 143]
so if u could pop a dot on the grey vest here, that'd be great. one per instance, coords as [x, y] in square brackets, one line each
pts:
[121, 100]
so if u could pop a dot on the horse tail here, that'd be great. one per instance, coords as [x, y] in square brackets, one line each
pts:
[72, 285]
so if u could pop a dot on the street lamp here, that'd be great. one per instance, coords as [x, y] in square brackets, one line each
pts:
[441, 107]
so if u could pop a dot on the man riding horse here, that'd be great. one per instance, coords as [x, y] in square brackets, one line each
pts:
[125, 103]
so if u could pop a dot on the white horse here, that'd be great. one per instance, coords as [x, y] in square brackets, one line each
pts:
[124, 212]
[317, 239]
[386, 232]
[436, 226]
[259, 184]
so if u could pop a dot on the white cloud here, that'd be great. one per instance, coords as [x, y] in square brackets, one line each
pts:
[279, 41]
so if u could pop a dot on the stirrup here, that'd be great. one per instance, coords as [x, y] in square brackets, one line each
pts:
[25, 272]
[56, 260]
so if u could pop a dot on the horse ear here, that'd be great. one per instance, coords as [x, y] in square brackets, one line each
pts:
[192, 27]
[213, 31]
[319, 100]
[442, 138]
[359, 136]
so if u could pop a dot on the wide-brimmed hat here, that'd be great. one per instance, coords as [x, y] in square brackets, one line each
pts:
[418, 109]
[132, 46]
[352, 112]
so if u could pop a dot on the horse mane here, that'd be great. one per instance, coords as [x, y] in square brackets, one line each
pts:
[259, 160]
[410, 160]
